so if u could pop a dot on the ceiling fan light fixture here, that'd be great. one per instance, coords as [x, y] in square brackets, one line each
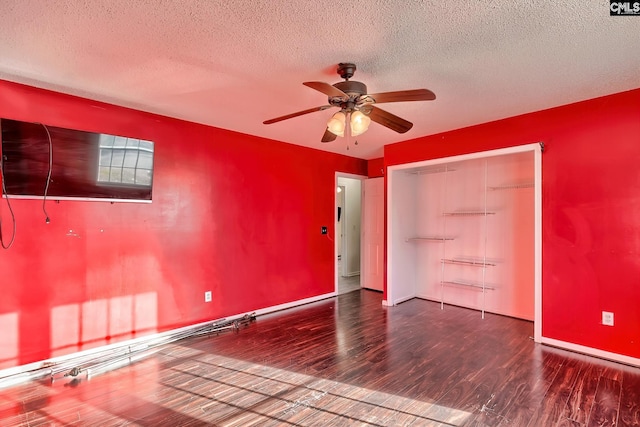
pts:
[350, 97]
[337, 123]
[359, 123]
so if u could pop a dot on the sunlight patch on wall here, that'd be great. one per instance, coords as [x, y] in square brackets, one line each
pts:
[94, 318]
[120, 315]
[92, 324]
[145, 312]
[9, 324]
[65, 326]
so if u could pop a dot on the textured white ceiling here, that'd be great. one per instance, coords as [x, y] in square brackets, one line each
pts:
[234, 64]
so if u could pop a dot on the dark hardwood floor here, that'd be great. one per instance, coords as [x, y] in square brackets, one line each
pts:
[347, 361]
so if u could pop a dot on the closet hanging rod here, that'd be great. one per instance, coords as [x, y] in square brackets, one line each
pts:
[512, 186]
[430, 171]
[428, 239]
[468, 213]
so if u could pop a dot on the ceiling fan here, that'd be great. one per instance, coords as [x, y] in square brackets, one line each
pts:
[357, 106]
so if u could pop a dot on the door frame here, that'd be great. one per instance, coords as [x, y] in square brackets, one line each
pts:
[536, 148]
[340, 228]
[336, 273]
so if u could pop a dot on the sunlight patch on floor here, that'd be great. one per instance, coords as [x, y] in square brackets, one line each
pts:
[243, 393]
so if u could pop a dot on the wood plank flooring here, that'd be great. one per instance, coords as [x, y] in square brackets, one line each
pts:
[348, 283]
[347, 361]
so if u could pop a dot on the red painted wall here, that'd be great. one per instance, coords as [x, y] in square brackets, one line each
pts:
[590, 211]
[375, 167]
[231, 213]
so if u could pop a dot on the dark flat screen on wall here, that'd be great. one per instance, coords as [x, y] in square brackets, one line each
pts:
[82, 165]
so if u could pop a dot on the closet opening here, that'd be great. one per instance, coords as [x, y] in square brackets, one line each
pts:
[466, 231]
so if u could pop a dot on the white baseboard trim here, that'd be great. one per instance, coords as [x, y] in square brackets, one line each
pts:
[294, 304]
[602, 354]
[386, 303]
[352, 274]
[54, 361]
[403, 299]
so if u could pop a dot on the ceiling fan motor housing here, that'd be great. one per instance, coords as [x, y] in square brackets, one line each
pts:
[354, 91]
[352, 87]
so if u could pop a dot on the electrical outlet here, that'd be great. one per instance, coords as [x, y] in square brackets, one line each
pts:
[207, 296]
[607, 318]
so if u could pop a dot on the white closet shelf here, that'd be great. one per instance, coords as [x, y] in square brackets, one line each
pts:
[428, 239]
[473, 285]
[468, 213]
[467, 262]
[512, 186]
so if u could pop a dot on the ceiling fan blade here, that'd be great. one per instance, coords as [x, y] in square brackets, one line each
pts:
[329, 136]
[299, 113]
[403, 95]
[389, 120]
[325, 88]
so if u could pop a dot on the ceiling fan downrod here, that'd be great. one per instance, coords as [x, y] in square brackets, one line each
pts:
[346, 70]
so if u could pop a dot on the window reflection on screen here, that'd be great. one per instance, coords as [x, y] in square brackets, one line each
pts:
[127, 161]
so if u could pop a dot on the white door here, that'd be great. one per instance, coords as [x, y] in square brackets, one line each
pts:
[373, 234]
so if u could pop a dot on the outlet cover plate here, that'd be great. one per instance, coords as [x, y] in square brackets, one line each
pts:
[607, 318]
[207, 296]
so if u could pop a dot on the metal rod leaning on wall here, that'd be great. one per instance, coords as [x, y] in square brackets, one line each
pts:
[131, 354]
[136, 351]
[75, 367]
